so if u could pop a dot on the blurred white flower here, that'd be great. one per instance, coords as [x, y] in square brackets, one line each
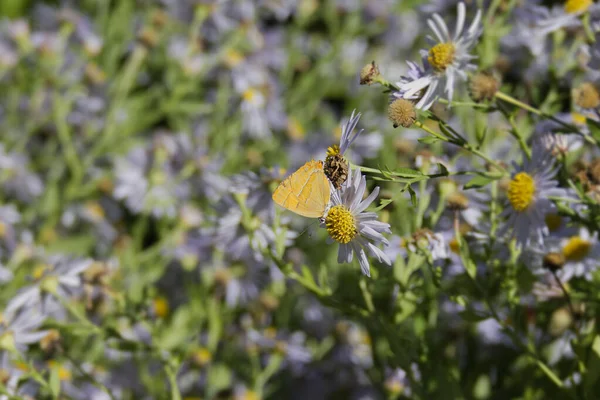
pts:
[447, 61]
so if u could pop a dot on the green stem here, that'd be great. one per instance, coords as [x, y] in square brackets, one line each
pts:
[516, 134]
[486, 158]
[77, 314]
[366, 294]
[515, 338]
[64, 137]
[172, 377]
[469, 104]
[383, 82]
[570, 128]
[520, 104]
[464, 145]
[431, 131]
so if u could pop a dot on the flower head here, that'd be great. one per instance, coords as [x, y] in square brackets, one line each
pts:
[446, 61]
[528, 195]
[336, 166]
[356, 230]
[580, 253]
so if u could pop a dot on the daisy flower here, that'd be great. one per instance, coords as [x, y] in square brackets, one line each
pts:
[446, 61]
[59, 277]
[336, 166]
[581, 253]
[528, 198]
[356, 230]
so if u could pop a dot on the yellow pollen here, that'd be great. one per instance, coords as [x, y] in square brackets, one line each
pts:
[333, 150]
[281, 346]
[39, 271]
[340, 224]
[578, 118]
[441, 56]
[249, 395]
[202, 356]
[270, 332]
[365, 338]
[249, 95]
[3, 229]
[161, 307]
[576, 249]
[520, 191]
[576, 6]
[394, 386]
[233, 58]
[63, 373]
[96, 211]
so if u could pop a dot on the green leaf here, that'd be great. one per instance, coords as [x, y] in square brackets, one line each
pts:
[218, 377]
[407, 173]
[477, 182]
[594, 128]
[55, 381]
[443, 169]
[471, 315]
[79, 245]
[592, 376]
[413, 195]
[429, 140]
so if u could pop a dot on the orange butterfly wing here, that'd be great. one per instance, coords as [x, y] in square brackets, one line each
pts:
[306, 192]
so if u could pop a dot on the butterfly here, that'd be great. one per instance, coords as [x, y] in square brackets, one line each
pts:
[305, 192]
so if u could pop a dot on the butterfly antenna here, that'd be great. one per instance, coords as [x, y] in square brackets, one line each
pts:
[307, 230]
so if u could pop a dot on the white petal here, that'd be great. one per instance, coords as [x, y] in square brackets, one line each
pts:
[344, 254]
[379, 254]
[362, 258]
[436, 31]
[474, 28]
[460, 20]
[366, 202]
[444, 28]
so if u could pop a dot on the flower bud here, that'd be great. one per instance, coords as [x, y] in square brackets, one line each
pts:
[402, 113]
[586, 96]
[369, 73]
[483, 86]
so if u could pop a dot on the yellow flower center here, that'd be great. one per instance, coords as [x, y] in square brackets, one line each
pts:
[202, 356]
[333, 150]
[96, 211]
[340, 224]
[578, 118]
[249, 395]
[520, 191]
[233, 58]
[39, 270]
[249, 95]
[161, 307]
[576, 249]
[270, 332]
[63, 373]
[441, 56]
[576, 6]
